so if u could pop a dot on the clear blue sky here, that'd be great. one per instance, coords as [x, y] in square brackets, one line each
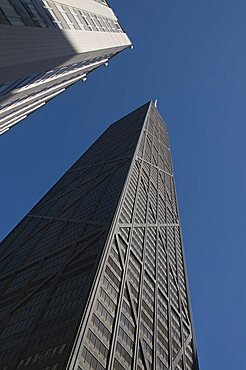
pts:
[191, 56]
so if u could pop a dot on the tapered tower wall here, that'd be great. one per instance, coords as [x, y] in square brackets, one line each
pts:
[94, 276]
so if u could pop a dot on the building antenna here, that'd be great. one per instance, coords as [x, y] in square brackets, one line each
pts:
[155, 103]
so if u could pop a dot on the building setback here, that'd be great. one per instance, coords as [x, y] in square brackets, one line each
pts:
[94, 276]
[48, 45]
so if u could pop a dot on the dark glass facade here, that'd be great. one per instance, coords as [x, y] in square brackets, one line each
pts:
[94, 276]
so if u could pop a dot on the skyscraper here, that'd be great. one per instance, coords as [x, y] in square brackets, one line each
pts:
[94, 276]
[48, 45]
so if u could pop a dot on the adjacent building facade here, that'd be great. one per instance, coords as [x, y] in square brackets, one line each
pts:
[48, 45]
[94, 277]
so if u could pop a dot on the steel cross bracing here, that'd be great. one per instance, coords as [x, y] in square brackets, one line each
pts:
[139, 314]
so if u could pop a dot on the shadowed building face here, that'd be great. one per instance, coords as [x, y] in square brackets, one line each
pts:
[94, 276]
[47, 45]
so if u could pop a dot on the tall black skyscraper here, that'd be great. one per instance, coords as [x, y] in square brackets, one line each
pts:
[94, 276]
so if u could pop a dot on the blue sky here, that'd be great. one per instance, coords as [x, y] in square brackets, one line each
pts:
[191, 56]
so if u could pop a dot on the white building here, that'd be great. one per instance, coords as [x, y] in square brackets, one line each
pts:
[47, 45]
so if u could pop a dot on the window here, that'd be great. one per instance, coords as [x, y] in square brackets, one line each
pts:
[64, 12]
[7, 87]
[125, 338]
[125, 356]
[77, 16]
[3, 18]
[49, 353]
[106, 316]
[97, 344]
[96, 22]
[92, 22]
[91, 360]
[33, 13]
[86, 22]
[53, 14]
[105, 333]
[10, 13]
